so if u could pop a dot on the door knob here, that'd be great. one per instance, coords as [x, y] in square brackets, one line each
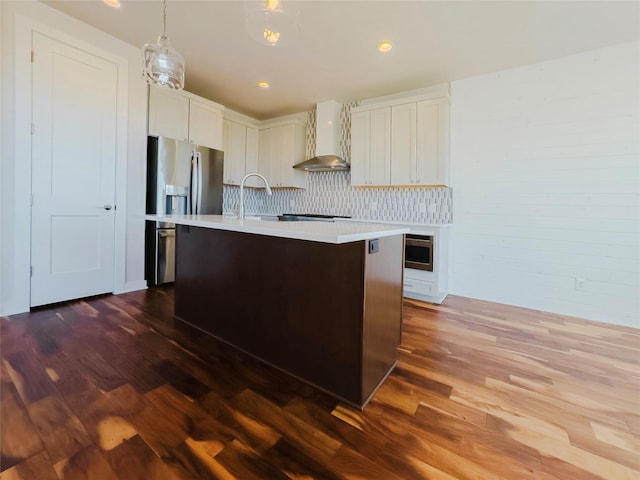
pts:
[107, 207]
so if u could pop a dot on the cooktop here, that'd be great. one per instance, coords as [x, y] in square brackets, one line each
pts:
[308, 217]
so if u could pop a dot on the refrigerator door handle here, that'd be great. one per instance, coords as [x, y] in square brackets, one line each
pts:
[199, 157]
[194, 183]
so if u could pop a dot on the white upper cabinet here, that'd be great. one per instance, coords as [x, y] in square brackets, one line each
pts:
[403, 144]
[400, 142]
[360, 147]
[205, 124]
[380, 147]
[240, 149]
[235, 152]
[251, 158]
[281, 146]
[184, 116]
[370, 147]
[168, 114]
[432, 142]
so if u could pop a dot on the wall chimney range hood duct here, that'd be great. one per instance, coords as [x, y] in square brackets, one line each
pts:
[327, 157]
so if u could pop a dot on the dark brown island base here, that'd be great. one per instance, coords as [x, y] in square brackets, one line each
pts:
[327, 313]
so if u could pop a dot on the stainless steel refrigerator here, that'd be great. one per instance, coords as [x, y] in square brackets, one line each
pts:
[182, 178]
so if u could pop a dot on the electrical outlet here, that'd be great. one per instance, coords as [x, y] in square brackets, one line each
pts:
[292, 203]
[579, 284]
[374, 206]
[261, 203]
[432, 208]
[422, 207]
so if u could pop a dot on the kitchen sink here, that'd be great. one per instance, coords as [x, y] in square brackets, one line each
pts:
[264, 218]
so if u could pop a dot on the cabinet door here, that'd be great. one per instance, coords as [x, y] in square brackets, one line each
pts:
[432, 162]
[380, 150]
[297, 178]
[205, 125]
[277, 150]
[251, 158]
[235, 140]
[168, 114]
[292, 152]
[264, 155]
[403, 144]
[360, 148]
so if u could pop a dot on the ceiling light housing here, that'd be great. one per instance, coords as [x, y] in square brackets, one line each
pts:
[268, 23]
[263, 84]
[162, 64]
[384, 47]
[112, 3]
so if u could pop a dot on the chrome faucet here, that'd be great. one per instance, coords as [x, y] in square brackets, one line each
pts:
[241, 206]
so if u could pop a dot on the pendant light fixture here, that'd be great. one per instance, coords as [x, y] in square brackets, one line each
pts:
[163, 65]
[267, 22]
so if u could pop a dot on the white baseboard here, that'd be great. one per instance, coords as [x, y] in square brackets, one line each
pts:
[132, 287]
[427, 298]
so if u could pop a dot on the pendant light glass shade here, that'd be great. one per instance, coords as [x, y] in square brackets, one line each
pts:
[163, 65]
[267, 22]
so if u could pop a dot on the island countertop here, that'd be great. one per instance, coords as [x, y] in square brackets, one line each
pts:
[326, 232]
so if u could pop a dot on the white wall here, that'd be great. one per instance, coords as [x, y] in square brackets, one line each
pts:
[545, 175]
[15, 186]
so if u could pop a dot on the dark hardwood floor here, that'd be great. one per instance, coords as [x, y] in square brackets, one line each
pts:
[111, 388]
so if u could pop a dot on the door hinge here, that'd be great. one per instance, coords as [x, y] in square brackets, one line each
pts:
[33, 129]
[32, 199]
[32, 56]
[31, 271]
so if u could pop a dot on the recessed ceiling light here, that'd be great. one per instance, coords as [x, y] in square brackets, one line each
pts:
[263, 84]
[384, 47]
[112, 3]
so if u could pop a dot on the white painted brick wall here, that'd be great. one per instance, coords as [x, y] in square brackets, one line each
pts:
[546, 174]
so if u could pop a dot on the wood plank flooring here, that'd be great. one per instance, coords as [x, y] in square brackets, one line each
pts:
[110, 388]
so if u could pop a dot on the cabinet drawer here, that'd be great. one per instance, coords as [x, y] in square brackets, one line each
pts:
[412, 285]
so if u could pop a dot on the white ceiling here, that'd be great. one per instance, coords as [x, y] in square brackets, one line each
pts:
[335, 56]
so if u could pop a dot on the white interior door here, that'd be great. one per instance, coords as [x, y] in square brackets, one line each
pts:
[73, 172]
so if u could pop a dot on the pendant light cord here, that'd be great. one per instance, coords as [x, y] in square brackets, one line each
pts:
[164, 18]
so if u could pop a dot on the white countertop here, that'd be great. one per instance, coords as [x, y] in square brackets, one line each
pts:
[419, 228]
[327, 232]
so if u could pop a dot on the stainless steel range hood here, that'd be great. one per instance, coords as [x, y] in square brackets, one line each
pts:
[327, 157]
[323, 163]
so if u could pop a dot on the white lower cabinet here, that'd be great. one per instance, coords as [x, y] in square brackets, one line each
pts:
[430, 286]
[415, 285]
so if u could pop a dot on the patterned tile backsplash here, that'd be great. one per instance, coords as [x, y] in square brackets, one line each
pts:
[331, 193]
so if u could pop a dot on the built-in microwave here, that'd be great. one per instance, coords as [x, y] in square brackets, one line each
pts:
[418, 252]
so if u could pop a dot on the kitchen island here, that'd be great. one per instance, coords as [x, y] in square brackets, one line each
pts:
[319, 300]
